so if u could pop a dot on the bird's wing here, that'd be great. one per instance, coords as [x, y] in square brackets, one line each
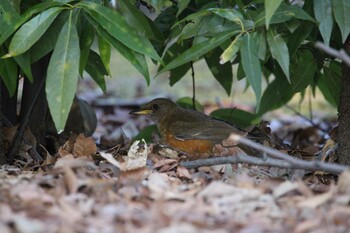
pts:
[211, 130]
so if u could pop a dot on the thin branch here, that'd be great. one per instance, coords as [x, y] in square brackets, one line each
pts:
[280, 159]
[341, 54]
[23, 125]
[243, 158]
[193, 86]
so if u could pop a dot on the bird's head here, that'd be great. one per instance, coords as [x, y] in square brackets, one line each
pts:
[156, 109]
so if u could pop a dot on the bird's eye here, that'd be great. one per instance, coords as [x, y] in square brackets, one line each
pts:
[155, 106]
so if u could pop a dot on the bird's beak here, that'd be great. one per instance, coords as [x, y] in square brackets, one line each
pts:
[141, 112]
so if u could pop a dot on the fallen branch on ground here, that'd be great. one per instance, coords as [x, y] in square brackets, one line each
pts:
[279, 159]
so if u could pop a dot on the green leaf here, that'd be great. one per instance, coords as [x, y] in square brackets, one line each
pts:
[175, 50]
[323, 14]
[230, 14]
[182, 6]
[47, 42]
[235, 116]
[251, 64]
[279, 51]
[240, 72]
[284, 13]
[231, 50]
[277, 94]
[341, 9]
[16, 23]
[261, 37]
[115, 25]
[62, 74]
[270, 8]
[105, 52]
[136, 59]
[31, 31]
[222, 73]
[198, 50]
[304, 72]
[187, 102]
[96, 69]
[86, 38]
[330, 82]
[147, 133]
[24, 62]
[298, 37]
[8, 15]
[135, 18]
[9, 73]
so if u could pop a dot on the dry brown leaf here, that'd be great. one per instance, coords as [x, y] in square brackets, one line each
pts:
[84, 146]
[183, 172]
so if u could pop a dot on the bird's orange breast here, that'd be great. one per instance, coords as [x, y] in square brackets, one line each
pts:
[192, 147]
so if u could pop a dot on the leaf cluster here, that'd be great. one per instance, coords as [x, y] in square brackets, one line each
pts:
[266, 39]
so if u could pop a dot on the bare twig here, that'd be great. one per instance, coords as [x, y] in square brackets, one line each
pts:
[193, 86]
[280, 159]
[243, 158]
[341, 54]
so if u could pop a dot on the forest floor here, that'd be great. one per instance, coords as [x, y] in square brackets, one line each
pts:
[103, 184]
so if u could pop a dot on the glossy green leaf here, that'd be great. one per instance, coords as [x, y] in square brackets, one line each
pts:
[323, 14]
[105, 52]
[198, 50]
[24, 63]
[136, 59]
[16, 23]
[47, 42]
[270, 8]
[96, 69]
[135, 18]
[86, 38]
[231, 50]
[304, 71]
[251, 64]
[230, 14]
[236, 117]
[277, 94]
[62, 74]
[9, 73]
[31, 31]
[279, 50]
[284, 13]
[222, 73]
[341, 9]
[115, 25]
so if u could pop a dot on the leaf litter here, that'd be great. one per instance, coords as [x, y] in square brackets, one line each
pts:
[144, 189]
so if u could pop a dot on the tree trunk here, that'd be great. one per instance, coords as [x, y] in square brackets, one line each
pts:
[344, 113]
[40, 112]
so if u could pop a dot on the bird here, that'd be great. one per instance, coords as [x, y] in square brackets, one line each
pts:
[188, 131]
